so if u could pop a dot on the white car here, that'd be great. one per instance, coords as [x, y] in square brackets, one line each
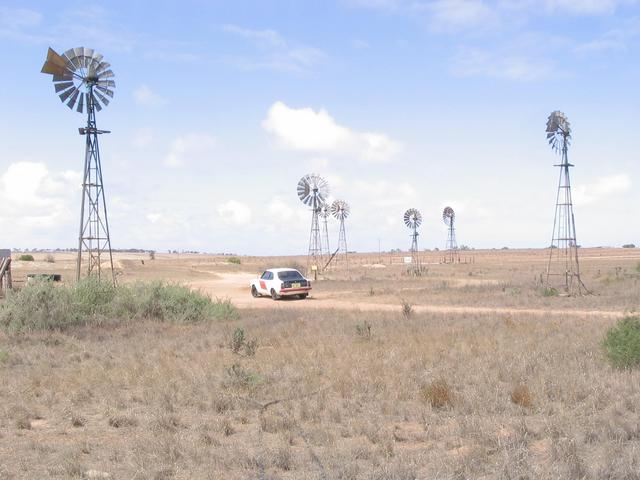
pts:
[281, 282]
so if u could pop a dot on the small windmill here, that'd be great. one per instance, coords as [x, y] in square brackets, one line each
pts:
[448, 217]
[413, 219]
[325, 211]
[313, 191]
[84, 81]
[563, 270]
[340, 210]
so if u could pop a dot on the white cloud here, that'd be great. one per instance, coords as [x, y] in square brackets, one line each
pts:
[471, 62]
[584, 6]
[261, 37]
[385, 194]
[146, 97]
[143, 137]
[275, 52]
[603, 187]
[188, 147]
[235, 213]
[458, 15]
[307, 130]
[32, 196]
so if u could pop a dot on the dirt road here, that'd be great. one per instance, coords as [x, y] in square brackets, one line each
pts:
[235, 286]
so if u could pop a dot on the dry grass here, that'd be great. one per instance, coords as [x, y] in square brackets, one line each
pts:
[172, 401]
[334, 394]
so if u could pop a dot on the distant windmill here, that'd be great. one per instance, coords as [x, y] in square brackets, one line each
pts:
[340, 210]
[448, 217]
[563, 270]
[325, 211]
[82, 79]
[313, 191]
[413, 219]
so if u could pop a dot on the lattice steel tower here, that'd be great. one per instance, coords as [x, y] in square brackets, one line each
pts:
[313, 191]
[413, 219]
[340, 210]
[83, 80]
[563, 270]
[452, 254]
[325, 211]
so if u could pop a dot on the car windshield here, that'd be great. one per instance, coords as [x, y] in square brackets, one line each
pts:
[289, 275]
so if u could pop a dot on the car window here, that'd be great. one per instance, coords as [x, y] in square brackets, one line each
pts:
[289, 275]
[269, 275]
[265, 276]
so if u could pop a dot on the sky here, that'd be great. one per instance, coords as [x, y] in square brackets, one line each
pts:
[221, 107]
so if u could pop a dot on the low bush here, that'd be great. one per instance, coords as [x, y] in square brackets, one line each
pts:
[438, 394]
[407, 308]
[26, 257]
[234, 260]
[239, 343]
[521, 395]
[44, 305]
[50, 258]
[622, 343]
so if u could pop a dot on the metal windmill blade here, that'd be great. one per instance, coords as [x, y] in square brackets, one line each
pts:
[558, 131]
[324, 210]
[412, 218]
[312, 189]
[340, 209]
[77, 74]
[448, 216]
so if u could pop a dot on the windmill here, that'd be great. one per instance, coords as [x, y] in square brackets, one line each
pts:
[340, 210]
[313, 191]
[325, 211]
[452, 254]
[563, 270]
[413, 219]
[84, 81]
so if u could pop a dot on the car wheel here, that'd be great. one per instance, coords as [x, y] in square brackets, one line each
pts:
[274, 295]
[302, 296]
[254, 291]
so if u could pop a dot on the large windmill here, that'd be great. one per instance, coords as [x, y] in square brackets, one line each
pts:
[413, 219]
[84, 82]
[313, 191]
[563, 270]
[452, 254]
[340, 210]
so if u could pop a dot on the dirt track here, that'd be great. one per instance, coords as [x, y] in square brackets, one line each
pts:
[235, 286]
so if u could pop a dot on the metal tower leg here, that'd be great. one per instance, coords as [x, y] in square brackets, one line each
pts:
[563, 269]
[94, 237]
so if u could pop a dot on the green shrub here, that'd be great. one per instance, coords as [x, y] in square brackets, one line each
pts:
[550, 292]
[46, 306]
[363, 330]
[239, 343]
[27, 257]
[622, 343]
[234, 260]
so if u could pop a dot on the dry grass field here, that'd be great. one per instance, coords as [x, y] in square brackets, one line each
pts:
[481, 376]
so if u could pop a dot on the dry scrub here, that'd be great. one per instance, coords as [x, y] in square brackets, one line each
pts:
[428, 397]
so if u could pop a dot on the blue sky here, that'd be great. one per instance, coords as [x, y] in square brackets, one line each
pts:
[220, 107]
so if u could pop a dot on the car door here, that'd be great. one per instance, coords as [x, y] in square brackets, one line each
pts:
[264, 288]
